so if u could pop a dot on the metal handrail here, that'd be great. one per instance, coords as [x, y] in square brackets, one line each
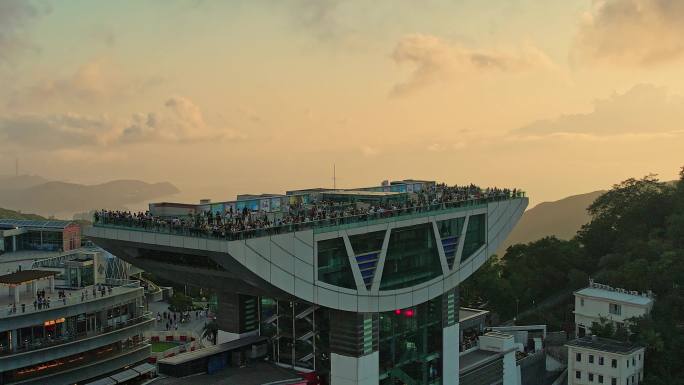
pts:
[363, 219]
[29, 347]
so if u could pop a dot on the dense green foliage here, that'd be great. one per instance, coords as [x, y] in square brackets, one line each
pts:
[635, 240]
[180, 302]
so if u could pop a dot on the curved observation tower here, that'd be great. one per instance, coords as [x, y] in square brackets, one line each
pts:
[360, 285]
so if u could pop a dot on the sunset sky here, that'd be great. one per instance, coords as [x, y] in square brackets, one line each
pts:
[226, 97]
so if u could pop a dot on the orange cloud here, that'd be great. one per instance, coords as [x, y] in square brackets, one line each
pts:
[436, 59]
[631, 32]
[644, 110]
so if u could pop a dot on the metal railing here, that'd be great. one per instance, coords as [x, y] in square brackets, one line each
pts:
[81, 295]
[324, 225]
[44, 343]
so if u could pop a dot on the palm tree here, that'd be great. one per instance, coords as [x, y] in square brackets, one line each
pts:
[210, 331]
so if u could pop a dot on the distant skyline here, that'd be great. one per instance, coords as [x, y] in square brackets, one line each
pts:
[221, 98]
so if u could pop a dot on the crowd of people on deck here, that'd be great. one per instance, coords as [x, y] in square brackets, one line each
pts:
[244, 222]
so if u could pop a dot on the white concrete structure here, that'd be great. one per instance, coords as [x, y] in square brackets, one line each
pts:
[593, 360]
[505, 344]
[597, 302]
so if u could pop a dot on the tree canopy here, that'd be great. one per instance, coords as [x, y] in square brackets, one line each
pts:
[635, 240]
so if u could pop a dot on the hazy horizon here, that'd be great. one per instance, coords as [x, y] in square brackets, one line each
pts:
[221, 98]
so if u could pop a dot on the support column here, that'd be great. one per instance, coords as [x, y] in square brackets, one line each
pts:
[14, 340]
[52, 283]
[14, 243]
[450, 338]
[14, 293]
[237, 316]
[354, 339]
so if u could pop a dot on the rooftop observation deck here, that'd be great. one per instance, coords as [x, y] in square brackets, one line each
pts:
[175, 225]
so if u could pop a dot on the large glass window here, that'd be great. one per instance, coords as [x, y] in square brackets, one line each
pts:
[412, 257]
[450, 232]
[367, 242]
[476, 235]
[367, 248]
[333, 264]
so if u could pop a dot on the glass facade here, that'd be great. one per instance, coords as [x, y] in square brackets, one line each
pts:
[476, 235]
[411, 344]
[412, 257]
[40, 240]
[367, 249]
[450, 232]
[333, 264]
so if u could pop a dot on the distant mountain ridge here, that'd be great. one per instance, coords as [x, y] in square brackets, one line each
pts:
[63, 199]
[11, 214]
[20, 181]
[561, 218]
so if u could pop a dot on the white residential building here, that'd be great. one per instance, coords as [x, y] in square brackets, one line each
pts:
[601, 301]
[594, 360]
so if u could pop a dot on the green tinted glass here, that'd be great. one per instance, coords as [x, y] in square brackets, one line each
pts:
[412, 257]
[476, 235]
[333, 264]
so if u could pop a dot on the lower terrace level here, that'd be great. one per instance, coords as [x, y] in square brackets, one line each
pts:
[82, 366]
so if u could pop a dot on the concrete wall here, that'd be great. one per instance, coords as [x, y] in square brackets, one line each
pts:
[595, 308]
[622, 371]
[362, 370]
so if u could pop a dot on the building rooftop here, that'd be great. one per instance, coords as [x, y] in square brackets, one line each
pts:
[604, 345]
[615, 295]
[256, 373]
[281, 214]
[475, 358]
[34, 224]
[24, 276]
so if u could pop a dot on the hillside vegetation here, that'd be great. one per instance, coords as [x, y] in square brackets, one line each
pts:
[11, 214]
[561, 218]
[634, 240]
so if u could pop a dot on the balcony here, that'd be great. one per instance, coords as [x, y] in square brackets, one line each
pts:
[55, 348]
[325, 225]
